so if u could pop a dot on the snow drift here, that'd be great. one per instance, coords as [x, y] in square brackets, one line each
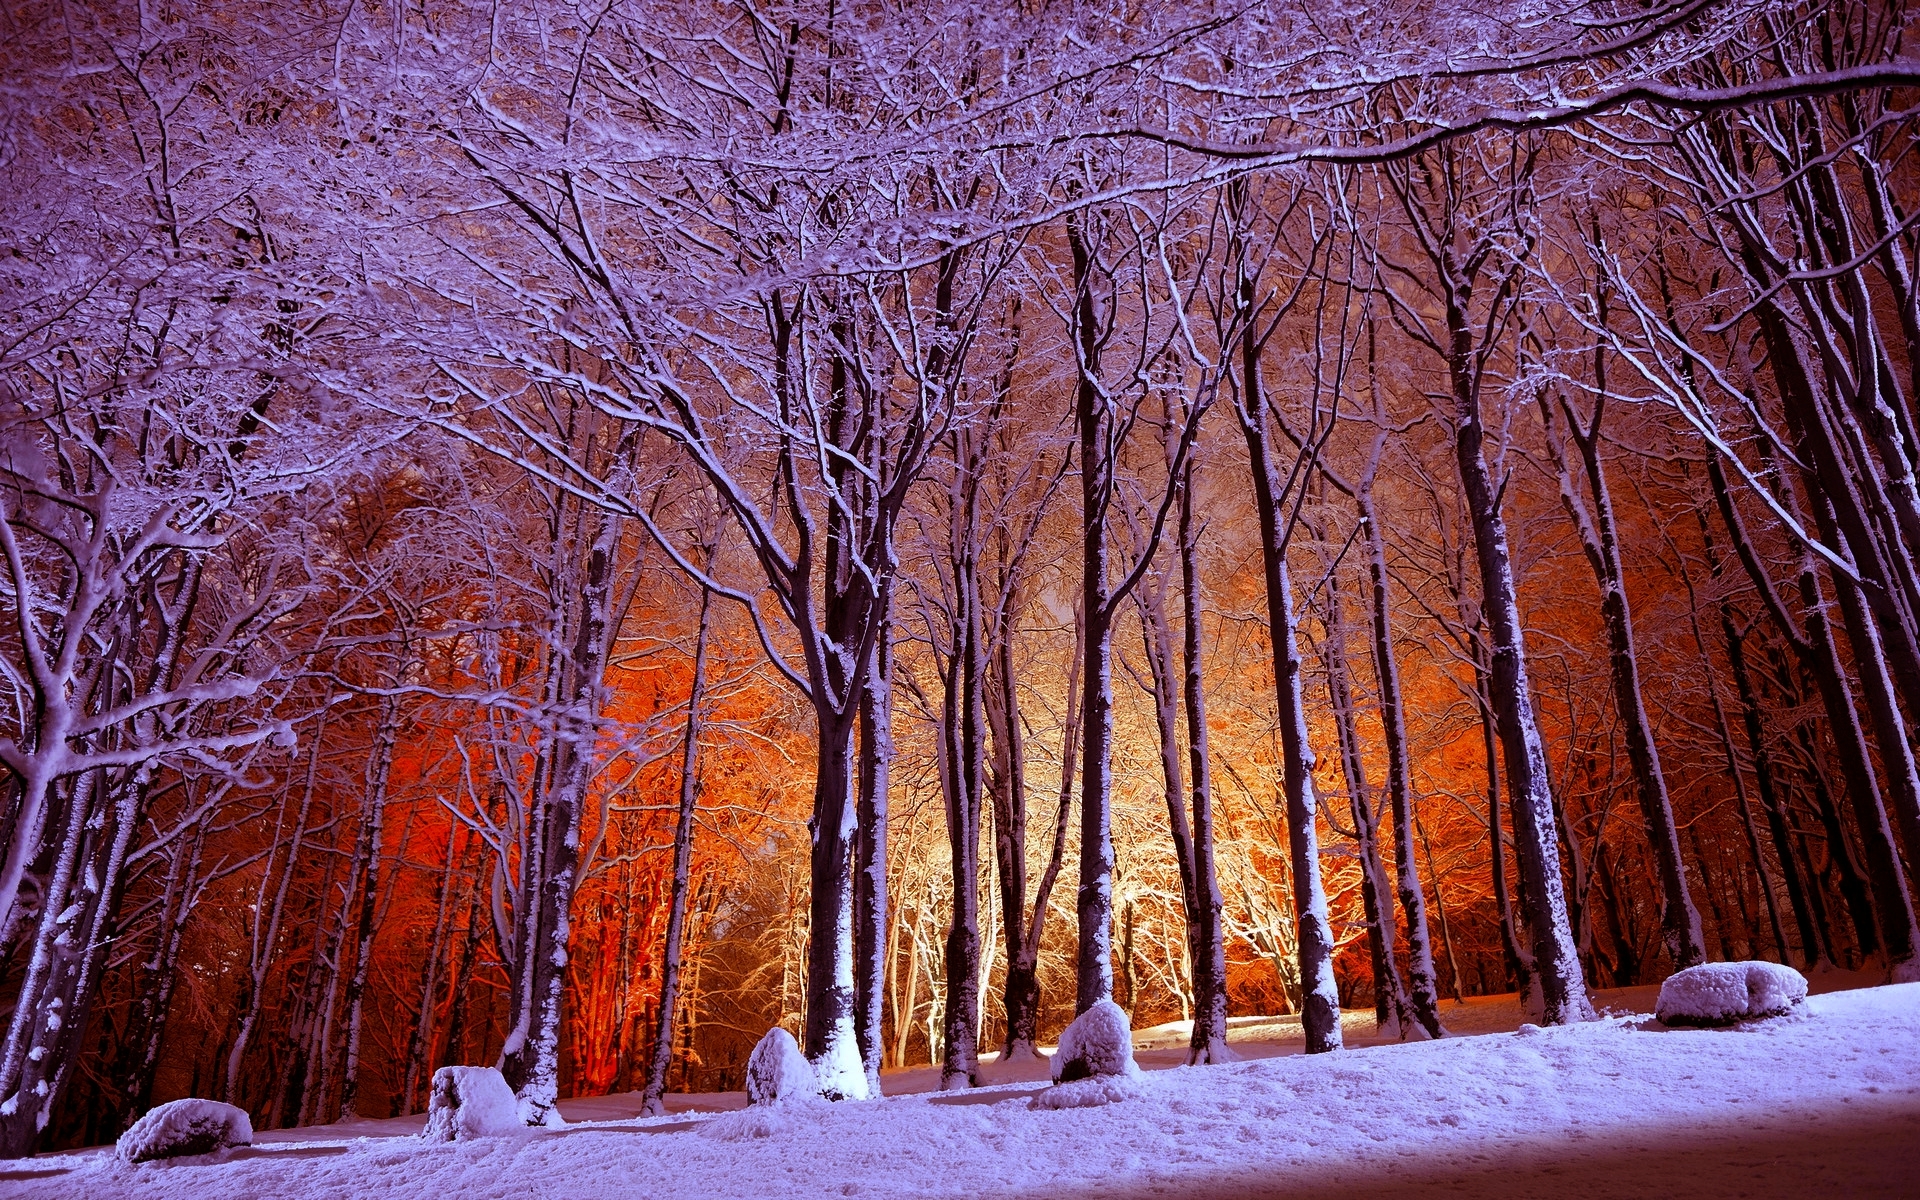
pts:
[1726, 993]
[1098, 1043]
[471, 1102]
[1826, 1104]
[777, 1073]
[182, 1127]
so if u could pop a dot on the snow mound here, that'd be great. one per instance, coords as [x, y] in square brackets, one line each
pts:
[1099, 1042]
[1726, 993]
[183, 1127]
[750, 1124]
[471, 1102]
[777, 1073]
[1089, 1093]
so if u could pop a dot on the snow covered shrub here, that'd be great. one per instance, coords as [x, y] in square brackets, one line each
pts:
[1098, 1042]
[778, 1073]
[183, 1127]
[1726, 993]
[471, 1102]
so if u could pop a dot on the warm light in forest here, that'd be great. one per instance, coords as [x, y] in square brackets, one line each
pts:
[569, 541]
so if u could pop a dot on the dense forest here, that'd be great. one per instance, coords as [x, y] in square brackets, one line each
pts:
[563, 536]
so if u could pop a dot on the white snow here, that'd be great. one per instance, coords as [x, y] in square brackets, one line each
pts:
[471, 1102]
[838, 1072]
[183, 1127]
[1096, 1043]
[1827, 1103]
[1723, 993]
[777, 1073]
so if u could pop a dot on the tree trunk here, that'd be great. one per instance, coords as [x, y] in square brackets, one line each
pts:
[1023, 981]
[380, 768]
[652, 1103]
[1679, 920]
[1209, 1042]
[1393, 1011]
[870, 885]
[963, 772]
[1093, 903]
[1393, 721]
[831, 1043]
[1320, 998]
[265, 944]
[1556, 961]
[420, 1045]
[1514, 948]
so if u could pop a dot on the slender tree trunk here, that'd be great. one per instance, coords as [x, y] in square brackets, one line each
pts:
[265, 944]
[1320, 997]
[163, 970]
[460, 989]
[652, 1103]
[1393, 1011]
[1519, 958]
[379, 771]
[870, 885]
[1679, 920]
[1023, 981]
[1556, 961]
[71, 936]
[420, 1045]
[1771, 802]
[1093, 903]
[1209, 1042]
[1425, 995]
[963, 730]
[1893, 901]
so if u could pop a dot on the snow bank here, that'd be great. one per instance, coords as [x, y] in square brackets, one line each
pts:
[471, 1102]
[1725, 993]
[777, 1073]
[1824, 1104]
[1089, 1093]
[1098, 1042]
[185, 1127]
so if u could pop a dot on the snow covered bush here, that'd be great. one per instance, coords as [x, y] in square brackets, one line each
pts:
[183, 1127]
[471, 1102]
[1725, 993]
[777, 1073]
[1098, 1042]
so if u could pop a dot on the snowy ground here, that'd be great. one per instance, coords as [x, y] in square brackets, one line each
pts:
[1827, 1098]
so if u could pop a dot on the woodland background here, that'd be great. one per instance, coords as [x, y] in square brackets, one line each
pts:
[479, 481]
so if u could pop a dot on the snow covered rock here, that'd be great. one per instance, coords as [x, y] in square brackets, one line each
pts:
[777, 1073]
[471, 1102]
[183, 1127]
[1099, 1042]
[1726, 993]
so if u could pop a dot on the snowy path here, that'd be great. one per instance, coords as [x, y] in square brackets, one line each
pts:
[1827, 1100]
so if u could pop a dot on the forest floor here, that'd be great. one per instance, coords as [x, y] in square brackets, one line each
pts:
[1824, 1100]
